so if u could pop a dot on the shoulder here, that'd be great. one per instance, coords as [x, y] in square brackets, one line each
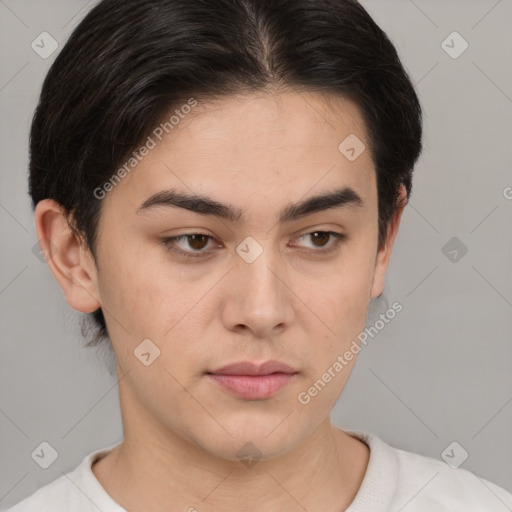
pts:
[397, 479]
[439, 487]
[75, 491]
[56, 493]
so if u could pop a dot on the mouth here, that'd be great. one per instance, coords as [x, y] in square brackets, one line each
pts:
[251, 381]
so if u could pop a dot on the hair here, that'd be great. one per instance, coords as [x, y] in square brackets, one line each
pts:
[129, 62]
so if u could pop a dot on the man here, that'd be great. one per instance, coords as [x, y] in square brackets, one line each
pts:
[219, 185]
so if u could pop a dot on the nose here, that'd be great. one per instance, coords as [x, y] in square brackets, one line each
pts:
[259, 298]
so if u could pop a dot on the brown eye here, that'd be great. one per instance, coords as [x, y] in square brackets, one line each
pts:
[320, 236]
[189, 245]
[319, 241]
[198, 241]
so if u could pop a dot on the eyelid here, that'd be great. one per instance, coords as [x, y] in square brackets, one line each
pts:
[169, 243]
[339, 238]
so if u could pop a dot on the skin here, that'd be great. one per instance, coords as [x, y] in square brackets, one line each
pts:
[182, 434]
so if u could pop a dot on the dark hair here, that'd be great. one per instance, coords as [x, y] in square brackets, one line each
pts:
[129, 62]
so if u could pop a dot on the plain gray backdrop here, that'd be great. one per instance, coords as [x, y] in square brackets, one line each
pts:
[439, 373]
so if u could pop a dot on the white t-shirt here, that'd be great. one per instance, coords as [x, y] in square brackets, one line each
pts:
[395, 480]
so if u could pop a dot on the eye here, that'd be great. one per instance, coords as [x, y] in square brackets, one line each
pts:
[194, 245]
[195, 241]
[320, 240]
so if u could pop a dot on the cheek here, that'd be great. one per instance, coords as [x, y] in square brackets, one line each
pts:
[150, 301]
[129, 294]
[343, 299]
[341, 302]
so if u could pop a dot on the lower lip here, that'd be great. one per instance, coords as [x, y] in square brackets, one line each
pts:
[253, 387]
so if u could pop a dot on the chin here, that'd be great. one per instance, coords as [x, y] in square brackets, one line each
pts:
[245, 442]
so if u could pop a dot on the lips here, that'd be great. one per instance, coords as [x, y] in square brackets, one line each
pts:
[248, 368]
[251, 381]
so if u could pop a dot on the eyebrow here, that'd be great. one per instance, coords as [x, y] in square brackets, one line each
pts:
[203, 205]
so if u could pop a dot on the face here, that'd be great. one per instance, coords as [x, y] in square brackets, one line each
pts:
[268, 276]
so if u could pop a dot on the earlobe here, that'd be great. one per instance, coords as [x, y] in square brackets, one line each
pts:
[70, 262]
[384, 253]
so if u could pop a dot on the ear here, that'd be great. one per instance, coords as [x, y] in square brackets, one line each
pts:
[384, 252]
[69, 260]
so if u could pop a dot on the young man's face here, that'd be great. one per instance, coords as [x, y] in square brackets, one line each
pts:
[261, 288]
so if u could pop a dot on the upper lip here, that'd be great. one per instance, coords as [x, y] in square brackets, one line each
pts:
[249, 368]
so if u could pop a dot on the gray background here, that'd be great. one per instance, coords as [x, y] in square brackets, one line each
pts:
[439, 372]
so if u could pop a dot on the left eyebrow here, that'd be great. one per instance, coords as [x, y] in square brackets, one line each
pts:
[338, 198]
[204, 205]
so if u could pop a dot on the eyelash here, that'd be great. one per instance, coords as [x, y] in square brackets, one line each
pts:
[170, 244]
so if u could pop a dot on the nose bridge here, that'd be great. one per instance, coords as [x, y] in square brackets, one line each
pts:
[261, 301]
[258, 270]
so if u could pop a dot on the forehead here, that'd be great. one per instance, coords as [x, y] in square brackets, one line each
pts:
[272, 147]
[295, 122]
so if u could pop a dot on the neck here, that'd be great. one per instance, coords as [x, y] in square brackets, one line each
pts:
[323, 473]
